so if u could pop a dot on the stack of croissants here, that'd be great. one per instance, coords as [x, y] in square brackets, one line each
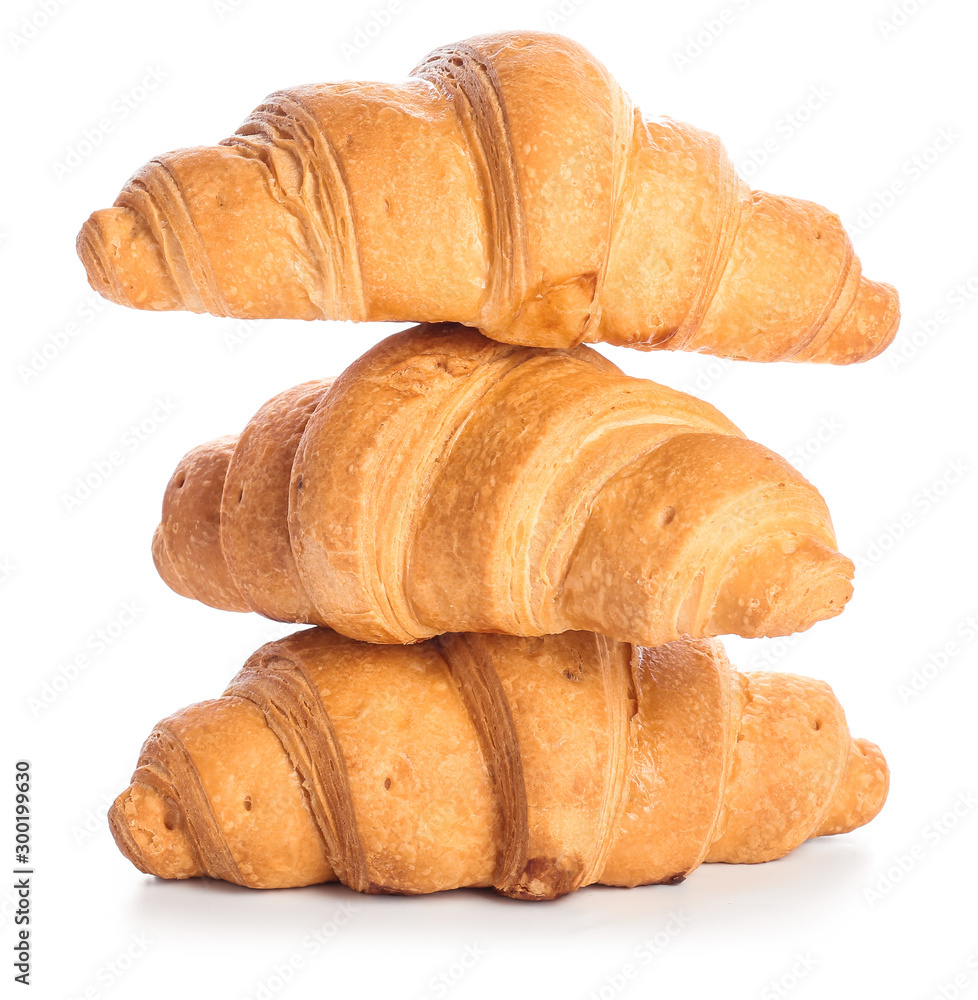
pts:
[515, 558]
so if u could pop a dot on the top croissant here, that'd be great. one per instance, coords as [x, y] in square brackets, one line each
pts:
[509, 184]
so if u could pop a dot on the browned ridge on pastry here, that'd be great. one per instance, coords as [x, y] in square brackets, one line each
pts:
[536, 766]
[450, 483]
[510, 185]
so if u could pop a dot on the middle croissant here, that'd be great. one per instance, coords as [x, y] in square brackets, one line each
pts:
[446, 483]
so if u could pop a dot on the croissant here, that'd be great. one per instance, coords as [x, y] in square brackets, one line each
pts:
[509, 185]
[536, 766]
[450, 483]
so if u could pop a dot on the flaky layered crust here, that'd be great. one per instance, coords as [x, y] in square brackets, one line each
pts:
[536, 766]
[509, 185]
[450, 483]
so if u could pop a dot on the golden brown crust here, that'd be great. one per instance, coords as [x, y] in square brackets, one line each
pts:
[254, 504]
[187, 546]
[535, 766]
[560, 215]
[450, 483]
[790, 755]
[687, 713]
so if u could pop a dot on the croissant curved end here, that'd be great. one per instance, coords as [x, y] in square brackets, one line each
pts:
[805, 582]
[866, 330]
[862, 791]
[149, 829]
[165, 568]
[125, 262]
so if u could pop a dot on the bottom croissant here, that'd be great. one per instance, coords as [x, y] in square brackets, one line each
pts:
[536, 766]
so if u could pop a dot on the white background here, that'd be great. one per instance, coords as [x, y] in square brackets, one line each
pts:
[890, 433]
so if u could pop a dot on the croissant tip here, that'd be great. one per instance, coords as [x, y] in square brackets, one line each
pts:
[124, 261]
[862, 792]
[880, 784]
[886, 328]
[122, 835]
[90, 247]
[866, 330]
[815, 584]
